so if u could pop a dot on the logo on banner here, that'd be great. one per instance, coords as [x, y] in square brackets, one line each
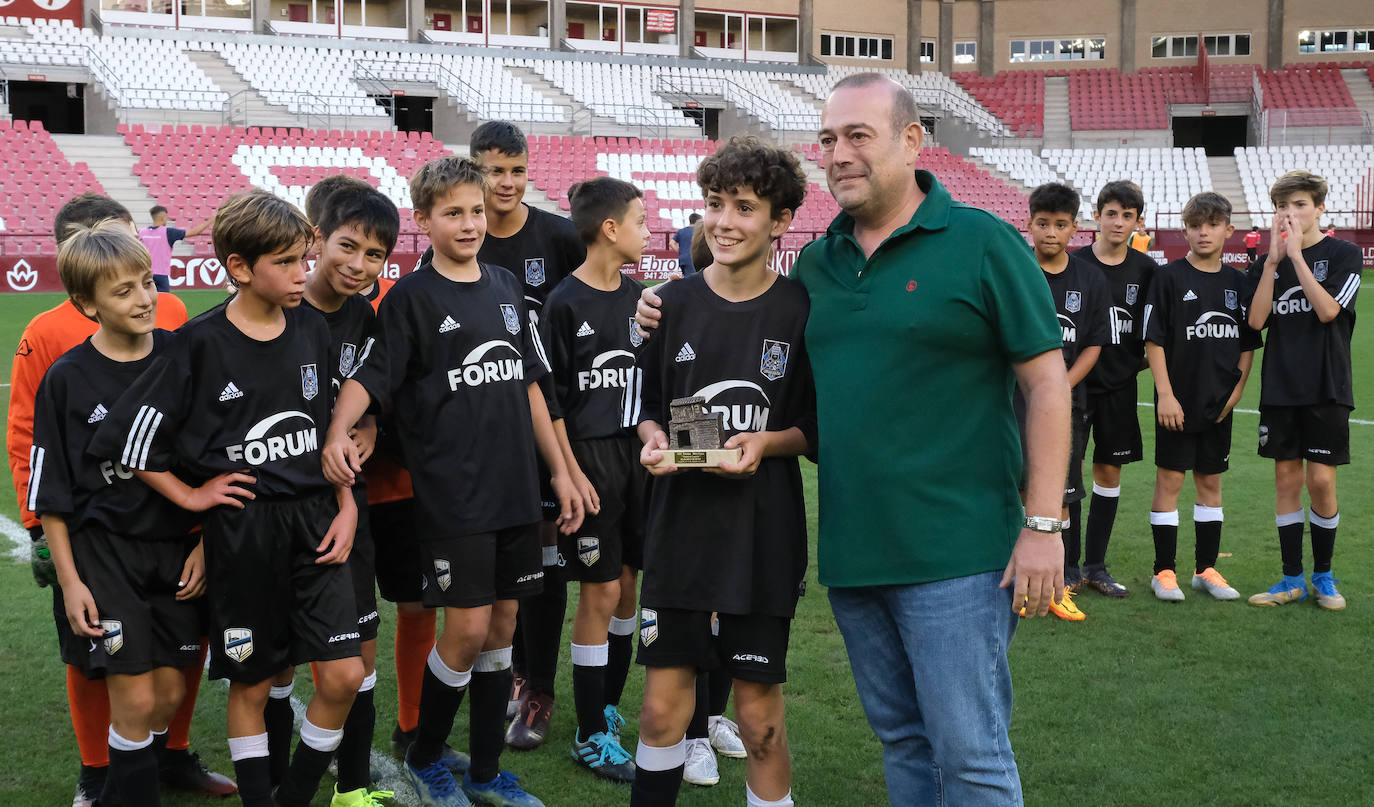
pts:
[22, 276]
[51, 5]
[238, 644]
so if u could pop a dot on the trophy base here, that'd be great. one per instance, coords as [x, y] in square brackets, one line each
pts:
[709, 458]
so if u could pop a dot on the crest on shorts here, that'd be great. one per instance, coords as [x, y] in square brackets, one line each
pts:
[588, 550]
[1132, 293]
[512, 319]
[1319, 269]
[114, 635]
[1073, 301]
[1232, 299]
[238, 644]
[310, 382]
[346, 356]
[1263, 435]
[648, 626]
[534, 271]
[442, 574]
[636, 339]
[773, 364]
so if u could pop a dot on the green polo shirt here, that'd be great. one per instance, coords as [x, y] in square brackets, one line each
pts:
[912, 351]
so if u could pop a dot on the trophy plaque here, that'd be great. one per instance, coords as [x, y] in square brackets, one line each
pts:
[695, 436]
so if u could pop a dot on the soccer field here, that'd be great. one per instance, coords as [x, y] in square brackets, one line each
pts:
[1200, 702]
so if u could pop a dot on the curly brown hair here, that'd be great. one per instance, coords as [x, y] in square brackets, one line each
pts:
[772, 173]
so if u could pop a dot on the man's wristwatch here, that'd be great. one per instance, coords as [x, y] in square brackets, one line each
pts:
[1044, 524]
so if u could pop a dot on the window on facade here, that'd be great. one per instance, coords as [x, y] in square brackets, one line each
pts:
[864, 47]
[965, 52]
[928, 51]
[1335, 41]
[1180, 47]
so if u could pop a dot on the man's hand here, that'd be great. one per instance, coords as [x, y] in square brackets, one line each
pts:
[753, 444]
[81, 610]
[1170, 413]
[338, 541]
[191, 584]
[220, 490]
[652, 453]
[340, 460]
[570, 514]
[364, 437]
[1037, 568]
[647, 312]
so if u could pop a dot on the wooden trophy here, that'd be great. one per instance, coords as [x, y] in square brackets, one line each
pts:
[695, 436]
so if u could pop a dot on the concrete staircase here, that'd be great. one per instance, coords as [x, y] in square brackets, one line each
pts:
[1057, 131]
[1361, 89]
[112, 162]
[256, 111]
[1226, 181]
[793, 89]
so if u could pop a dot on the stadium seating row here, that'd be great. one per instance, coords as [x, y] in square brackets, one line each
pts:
[36, 181]
[1346, 169]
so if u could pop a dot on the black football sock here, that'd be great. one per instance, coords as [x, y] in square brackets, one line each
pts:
[441, 692]
[620, 649]
[1073, 536]
[280, 720]
[718, 684]
[1323, 540]
[252, 770]
[311, 760]
[1207, 529]
[132, 777]
[1290, 541]
[1164, 526]
[355, 750]
[491, 677]
[658, 775]
[589, 688]
[1101, 518]
[541, 621]
[696, 730]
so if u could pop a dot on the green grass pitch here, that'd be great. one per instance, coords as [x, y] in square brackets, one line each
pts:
[1200, 702]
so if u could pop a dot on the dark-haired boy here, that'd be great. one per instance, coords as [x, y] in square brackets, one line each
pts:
[317, 199]
[1112, 415]
[1304, 293]
[1199, 346]
[355, 231]
[244, 386]
[48, 336]
[731, 541]
[1080, 298]
[456, 352]
[128, 566]
[588, 327]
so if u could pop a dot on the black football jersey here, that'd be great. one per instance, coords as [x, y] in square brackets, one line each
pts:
[349, 328]
[592, 342]
[737, 546]
[1128, 283]
[455, 361]
[1199, 318]
[1307, 361]
[73, 400]
[1080, 298]
[217, 400]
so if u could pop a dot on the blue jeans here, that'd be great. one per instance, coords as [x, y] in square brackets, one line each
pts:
[930, 663]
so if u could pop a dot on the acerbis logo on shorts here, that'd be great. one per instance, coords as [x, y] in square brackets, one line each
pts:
[529, 577]
[757, 659]
[192, 648]
[366, 618]
[1326, 451]
[648, 626]
[343, 637]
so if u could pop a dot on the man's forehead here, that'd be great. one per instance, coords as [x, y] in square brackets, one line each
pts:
[850, 107]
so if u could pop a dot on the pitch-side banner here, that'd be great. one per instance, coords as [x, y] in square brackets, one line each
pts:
[46, 9]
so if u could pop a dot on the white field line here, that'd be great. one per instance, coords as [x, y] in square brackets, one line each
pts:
[1355, 421]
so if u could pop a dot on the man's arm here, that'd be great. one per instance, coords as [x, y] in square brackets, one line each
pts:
[1037, 560]
[202, 227]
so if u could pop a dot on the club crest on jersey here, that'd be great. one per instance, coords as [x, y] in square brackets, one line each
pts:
[635, 338]
[442, 574]
[1132, 293]
[1319, 269]
[512, 319]
[238, 644]
[773, 364]
[534, 271]
[310, 382]
[1232, 299]
[114, 635]
[346, 356]
[648, 626]
[588, 550]
[1073, 301]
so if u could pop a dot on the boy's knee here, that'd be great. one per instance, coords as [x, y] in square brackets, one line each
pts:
[762, 737]
[339, 680]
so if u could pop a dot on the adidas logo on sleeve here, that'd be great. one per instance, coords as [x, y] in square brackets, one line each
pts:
[448, 325]
[230, 392]
[686, 353]
[98, 414]
[585, 330]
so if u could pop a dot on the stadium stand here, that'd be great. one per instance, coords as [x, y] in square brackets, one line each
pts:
[1022, 165]
[1168, 177]
[1343, 167]
[1318, 89]
[281, 73]
[36, 181]
[1016, 97]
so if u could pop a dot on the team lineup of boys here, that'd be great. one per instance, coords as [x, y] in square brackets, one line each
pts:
[508, 417]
